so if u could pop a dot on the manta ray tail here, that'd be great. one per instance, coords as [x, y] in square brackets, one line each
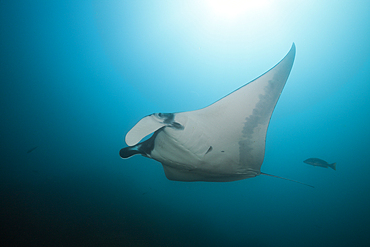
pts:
[286, 179]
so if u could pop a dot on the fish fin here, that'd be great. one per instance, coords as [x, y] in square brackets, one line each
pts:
[334, 166]
[286, 179]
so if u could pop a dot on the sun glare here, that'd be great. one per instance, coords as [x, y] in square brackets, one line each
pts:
[235, 8]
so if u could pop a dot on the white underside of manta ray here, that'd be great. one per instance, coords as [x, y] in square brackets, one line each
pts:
[222, 142]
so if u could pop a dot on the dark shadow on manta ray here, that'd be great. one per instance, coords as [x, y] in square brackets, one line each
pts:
[219, 143]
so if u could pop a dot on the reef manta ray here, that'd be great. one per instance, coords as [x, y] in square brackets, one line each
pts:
[219, 143]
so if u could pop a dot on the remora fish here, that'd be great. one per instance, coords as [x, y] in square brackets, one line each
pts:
[320, 162]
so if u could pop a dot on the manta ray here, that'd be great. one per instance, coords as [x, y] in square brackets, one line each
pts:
[219, 143]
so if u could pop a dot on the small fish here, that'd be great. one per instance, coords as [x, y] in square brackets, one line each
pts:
[320, 162]
[30, 150]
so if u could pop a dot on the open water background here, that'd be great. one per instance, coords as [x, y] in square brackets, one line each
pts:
[77, 75]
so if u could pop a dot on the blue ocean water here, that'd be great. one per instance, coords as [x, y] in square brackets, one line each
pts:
[77, 75]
